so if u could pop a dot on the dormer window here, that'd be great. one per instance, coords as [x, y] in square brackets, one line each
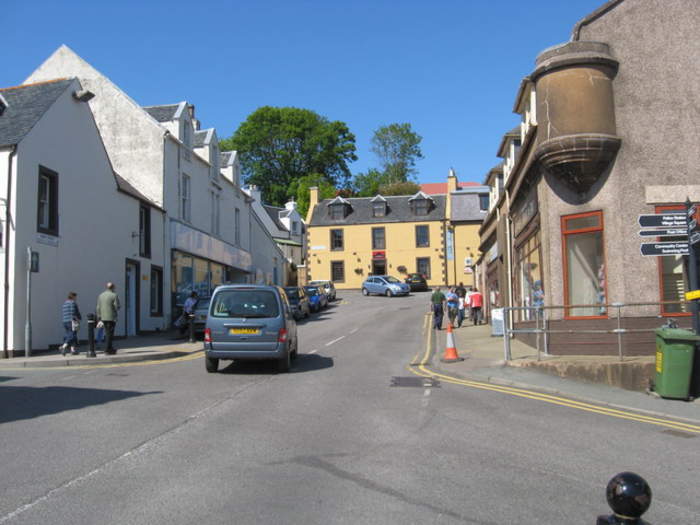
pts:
[3, 104]
[378, 206]
[420, 203]
[337, 212]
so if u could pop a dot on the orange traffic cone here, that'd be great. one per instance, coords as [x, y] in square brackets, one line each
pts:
[450, 350]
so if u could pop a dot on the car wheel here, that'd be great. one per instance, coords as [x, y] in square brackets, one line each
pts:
[284, 363]
[364, 291]
[388, 293]
[295, 352]
[211, 364]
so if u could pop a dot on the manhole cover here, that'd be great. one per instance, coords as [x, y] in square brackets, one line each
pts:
[417, 382]
[679, 433]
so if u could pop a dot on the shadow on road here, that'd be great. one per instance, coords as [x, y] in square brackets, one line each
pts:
[320, 316]
[23, 402]
[303, 363]
[6, 378]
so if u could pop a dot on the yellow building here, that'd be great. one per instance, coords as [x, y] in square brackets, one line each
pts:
[350, 239]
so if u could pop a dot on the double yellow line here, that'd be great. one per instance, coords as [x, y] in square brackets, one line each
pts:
[421, 369]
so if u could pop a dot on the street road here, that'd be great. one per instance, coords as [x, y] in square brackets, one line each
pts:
[331, 442]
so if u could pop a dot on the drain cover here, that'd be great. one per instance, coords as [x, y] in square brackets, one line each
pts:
[418, 382]
[678, 433]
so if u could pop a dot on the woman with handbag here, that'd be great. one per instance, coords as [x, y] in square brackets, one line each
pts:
[71, 324]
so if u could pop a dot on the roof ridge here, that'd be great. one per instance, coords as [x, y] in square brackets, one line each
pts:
[53, 80]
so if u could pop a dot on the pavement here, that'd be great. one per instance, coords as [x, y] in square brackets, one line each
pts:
[151, 347]
[593, 379]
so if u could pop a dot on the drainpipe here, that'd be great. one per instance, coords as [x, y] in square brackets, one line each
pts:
[6, 285]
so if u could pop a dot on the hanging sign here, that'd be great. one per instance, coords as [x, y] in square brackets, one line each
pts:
[664, 248]
[664, 220]
[664, 232]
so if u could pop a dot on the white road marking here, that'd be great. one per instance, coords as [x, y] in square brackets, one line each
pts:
[313, 351]
[67, 378]
[353, 330]
[329, 343]
[426, 398]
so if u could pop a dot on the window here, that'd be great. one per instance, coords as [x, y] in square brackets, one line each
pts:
[484, 202]
[336, 239]
[295, 227]
[47, 202]
[422, 236]
[214, 161]
[185, 188]
[584, 264]
[672, 273]
[156, 291]
[378, 209]
[214, 211]
[378, 239]
[337, 212]
[528, 286]
[423, 266]
[337, 271]
[421, 206]
[237, 227]
[187, 138]
[144, 231]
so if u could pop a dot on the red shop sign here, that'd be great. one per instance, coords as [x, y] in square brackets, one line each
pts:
[378, 255]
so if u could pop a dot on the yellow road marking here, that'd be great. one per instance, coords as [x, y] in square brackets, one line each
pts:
[423, 371]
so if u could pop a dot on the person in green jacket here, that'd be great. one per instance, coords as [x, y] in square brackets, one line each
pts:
[106, 311]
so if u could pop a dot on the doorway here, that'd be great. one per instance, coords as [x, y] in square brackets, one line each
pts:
[131, 297]
[379, 267]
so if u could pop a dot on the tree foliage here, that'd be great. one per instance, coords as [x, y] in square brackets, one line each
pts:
[399, 188]
[398, 149]
[367, 184]
[280, 145]
[300, 190]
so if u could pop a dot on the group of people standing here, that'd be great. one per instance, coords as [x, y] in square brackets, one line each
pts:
[459, 302]
[106, 317]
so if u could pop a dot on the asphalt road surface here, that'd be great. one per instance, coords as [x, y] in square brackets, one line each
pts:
[331, 442]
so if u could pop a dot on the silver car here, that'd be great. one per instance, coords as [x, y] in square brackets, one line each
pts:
[250, 322]
[327, 287]
[384, 285]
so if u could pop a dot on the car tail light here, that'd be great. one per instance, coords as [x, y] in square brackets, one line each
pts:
[207, 335]
[282, 337]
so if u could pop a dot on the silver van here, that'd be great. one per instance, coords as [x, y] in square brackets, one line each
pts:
[250, 322]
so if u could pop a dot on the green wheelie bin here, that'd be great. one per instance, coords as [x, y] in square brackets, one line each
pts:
[675, 349]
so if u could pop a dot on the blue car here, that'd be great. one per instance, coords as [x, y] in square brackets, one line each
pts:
[384, 285]
[317, 298]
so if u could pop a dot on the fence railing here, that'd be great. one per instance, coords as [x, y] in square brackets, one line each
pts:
[541, 317]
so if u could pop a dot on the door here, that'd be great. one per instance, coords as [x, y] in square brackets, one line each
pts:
[131, 298]
[379, 267]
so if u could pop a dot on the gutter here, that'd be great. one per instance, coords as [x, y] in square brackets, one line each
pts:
[595, 15]
[6, 284]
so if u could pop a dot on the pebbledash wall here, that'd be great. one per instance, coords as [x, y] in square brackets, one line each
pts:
[577, 180]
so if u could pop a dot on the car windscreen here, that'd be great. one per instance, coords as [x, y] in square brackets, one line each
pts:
[311, 290]
[391, 280]
[245, 303]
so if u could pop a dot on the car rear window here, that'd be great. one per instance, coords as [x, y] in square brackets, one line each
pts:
[311, 290]
[292, 294]
[245, 303]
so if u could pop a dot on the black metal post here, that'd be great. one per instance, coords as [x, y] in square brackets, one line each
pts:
[629, 496]
[190, 320]
[91, 336]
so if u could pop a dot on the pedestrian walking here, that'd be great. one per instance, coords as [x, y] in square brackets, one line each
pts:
[437, 305]
[70, 314]
[188, 312]
[452, 306]
[476, 301]
[461, 311]
[107, 309]
[461, 291]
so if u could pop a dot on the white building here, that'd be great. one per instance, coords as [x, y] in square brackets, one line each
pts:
[62, 199]
[211, 234]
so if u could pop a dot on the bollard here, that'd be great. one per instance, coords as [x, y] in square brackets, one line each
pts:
[190, 319]
[91, 336]
[629, 496]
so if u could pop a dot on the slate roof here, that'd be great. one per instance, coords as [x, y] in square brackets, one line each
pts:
[465, 207]
[164, 113]
[25, 106]
[274, 213]
[199, 138]
[398, 210]
[225, 157]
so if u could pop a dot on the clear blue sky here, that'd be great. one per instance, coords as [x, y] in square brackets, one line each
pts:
[450, 68]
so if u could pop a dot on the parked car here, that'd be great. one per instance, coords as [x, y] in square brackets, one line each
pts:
[417, 282]
[317, 298]
[298, 302]
[250, 322]
[327, 287]
[200, 314]
[384, 285]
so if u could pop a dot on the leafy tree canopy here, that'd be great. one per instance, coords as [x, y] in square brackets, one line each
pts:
[278, 146]
[300, 189]
[399, 188]
[367, 184]
[398, 149]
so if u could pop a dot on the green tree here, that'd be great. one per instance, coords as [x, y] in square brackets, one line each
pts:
[278, 146]
[367, 184]
[398, 149]
[299, 188]
[399, 188]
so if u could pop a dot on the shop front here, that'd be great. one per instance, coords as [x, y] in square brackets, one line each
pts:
[528, 284]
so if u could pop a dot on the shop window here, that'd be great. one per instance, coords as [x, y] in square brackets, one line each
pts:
[673, 272]
[423, 266]
[47, 202]
[378, 239]
[528, 285]
[338, 271]
[584, 265]
[156, 291]
[422, 236]
[336, 239]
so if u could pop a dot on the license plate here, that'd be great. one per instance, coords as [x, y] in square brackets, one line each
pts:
[244, 331]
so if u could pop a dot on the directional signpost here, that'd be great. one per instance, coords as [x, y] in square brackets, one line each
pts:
[664, 220]
[664, 232]
[665, 248]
